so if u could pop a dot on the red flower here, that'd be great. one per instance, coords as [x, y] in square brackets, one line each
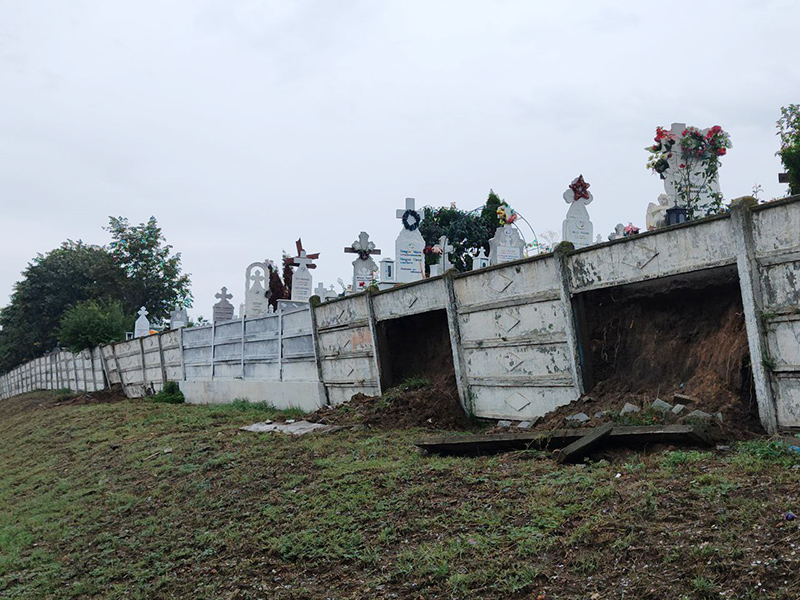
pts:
[682, 166]
[721, 152]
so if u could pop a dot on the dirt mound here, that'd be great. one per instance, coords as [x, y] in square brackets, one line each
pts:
[112, 394]
[412, 404]
[688, 342]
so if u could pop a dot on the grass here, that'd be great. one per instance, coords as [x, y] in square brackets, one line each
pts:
[137, 499]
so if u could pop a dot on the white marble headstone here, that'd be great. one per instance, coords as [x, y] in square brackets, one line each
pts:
[178, 317]
[256, 296]
[577, 227]
[364, 267]
[675, 173]
[142, 327]
[409, 247]
[481, 261]
[507, 245]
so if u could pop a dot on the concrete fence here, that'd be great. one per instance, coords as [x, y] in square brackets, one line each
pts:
[213, 364]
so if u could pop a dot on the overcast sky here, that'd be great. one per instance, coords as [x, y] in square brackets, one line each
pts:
[243, 125]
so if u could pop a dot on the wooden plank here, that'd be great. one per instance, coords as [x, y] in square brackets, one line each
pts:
[578, 449]
[559, 438]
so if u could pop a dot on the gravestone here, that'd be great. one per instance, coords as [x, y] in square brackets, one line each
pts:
[409, 246]
[223, 310]
[325, 294]
[364, 267]
[142, 327]
[302, 282]
[481, 261]
[619, 232]
[178, 317]
[256, 295]
[447, 248]
[435, 270]
[506, 245]
[577, 228]
[674, 174]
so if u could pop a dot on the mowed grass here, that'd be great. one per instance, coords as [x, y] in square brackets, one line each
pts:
[142, 500]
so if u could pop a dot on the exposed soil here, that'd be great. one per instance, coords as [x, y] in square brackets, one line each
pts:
[689, 342]
[433, 406]
[112, 394]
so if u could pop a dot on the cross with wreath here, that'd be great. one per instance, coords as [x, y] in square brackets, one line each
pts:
[409, 216]
[580, 189]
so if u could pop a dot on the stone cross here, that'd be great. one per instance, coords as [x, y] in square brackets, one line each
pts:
[577, 227]
[142, 328]
[364, 266]
[302, 282]
[223, 310]
[410, 202]
[447, 248]
[481, 261]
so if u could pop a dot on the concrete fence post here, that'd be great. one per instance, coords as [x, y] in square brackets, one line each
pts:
[457, 349]
[749, 283]
[565, 294]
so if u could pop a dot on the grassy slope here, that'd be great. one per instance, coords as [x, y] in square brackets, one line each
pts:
[91, 506]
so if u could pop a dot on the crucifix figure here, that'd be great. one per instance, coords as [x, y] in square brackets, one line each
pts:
[301, 280]
[364, 267]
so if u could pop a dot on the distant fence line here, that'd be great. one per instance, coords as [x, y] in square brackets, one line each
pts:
[275, 347]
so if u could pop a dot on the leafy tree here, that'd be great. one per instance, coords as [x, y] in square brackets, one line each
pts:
[153, 277]
[92, 322]
[465, 231]
[789, 132]
[51, 283]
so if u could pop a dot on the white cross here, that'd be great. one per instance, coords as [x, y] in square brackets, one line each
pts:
[446, 247]
[257, 277]
[409, 206]
[320, 291]
[223, 295]
[143, 312]
[302, 260]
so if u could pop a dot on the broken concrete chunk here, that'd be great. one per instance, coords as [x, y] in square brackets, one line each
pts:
[629, 408]
[599, 414]
[684, 398]
[678, 408]
[659, 404]
[504, 423]
[293, 428]
[698, 414]
[578, 417]
[719, 416]
[524, 425]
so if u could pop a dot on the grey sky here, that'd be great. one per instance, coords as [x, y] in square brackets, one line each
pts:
[242, 125]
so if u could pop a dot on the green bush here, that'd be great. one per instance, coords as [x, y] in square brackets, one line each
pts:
[170, 394]
[91, 323]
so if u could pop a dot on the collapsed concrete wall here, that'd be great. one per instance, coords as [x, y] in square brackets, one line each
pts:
[515, 329]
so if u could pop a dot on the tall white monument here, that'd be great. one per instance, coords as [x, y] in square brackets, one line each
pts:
[409, 246]
[256, 296]
[142, 327]
[577, 227]
[302, 282]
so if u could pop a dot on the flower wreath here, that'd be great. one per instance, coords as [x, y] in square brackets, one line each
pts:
[506, 214]
[415, 215]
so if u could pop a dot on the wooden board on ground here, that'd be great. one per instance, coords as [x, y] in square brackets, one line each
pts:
[559, 438]
[580, 448]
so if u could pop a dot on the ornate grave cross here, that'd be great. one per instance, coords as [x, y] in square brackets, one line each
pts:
[320, 291]
[410, 217]
[257, 277]
[303, 258]
[363, 247]
[143, 312]
[223, 296]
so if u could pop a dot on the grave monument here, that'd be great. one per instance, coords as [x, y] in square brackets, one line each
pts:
[409, 246]
[256, 294]
[364, 267]
[223, 310]
[302, 282]
[577, 228]
[142, 327]
[506, 245]
[178, 317]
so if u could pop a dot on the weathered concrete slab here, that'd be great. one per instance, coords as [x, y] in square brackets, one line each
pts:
[580, 448]
[296, 428]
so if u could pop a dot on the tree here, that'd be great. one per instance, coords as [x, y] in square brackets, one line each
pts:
[789, 132]
[51, 283]
[91, 323]
[465, 231]
[153, 277]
